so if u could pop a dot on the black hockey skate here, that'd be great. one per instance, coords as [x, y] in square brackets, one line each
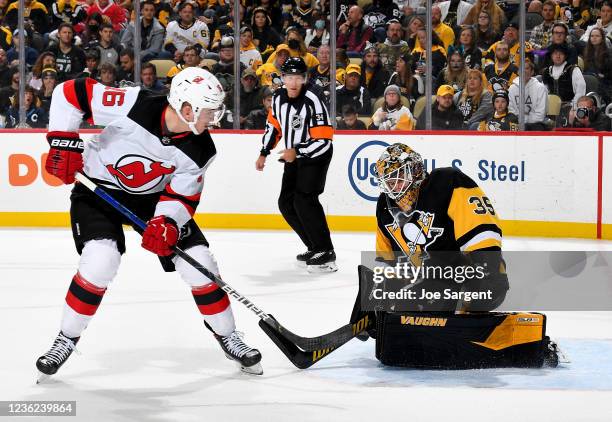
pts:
[303, 257]
[235, 349]
[322, 262]
[56, 356]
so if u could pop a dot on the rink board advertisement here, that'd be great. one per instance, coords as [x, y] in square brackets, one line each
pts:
[540, 185]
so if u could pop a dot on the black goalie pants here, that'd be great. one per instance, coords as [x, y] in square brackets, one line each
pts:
[303, 182]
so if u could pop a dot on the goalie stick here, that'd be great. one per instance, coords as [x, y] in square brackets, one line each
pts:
[303, 352]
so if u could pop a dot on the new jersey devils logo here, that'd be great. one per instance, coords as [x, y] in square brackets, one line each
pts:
[138, 174]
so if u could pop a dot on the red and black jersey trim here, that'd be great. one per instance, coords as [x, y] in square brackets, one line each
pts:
[210, 299]
[83, 296]
[79, 93]
[190, 202]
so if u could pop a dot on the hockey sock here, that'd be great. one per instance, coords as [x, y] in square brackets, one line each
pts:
[82, 301]
[214, 305]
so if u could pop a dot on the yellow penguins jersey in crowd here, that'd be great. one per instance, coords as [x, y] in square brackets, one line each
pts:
[514, 51]
[451, 214]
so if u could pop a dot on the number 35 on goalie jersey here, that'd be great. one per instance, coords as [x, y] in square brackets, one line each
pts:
[451, 214]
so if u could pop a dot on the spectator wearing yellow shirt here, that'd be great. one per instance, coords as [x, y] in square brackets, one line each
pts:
[269, 73]
[297, 48]
[445, 32]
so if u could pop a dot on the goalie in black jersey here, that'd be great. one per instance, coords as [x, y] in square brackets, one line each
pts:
[441, 219]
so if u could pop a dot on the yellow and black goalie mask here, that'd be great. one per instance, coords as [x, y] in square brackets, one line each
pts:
[400, 171]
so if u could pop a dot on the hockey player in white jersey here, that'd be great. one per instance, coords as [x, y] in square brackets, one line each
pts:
[151, 156]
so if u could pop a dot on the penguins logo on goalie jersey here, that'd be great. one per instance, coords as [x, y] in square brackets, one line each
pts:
[451, 214]
[416, 234]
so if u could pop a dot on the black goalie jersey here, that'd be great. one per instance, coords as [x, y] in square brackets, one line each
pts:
[451, 214]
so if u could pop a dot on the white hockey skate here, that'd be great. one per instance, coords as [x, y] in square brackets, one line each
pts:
[55, 357]
[247, 358]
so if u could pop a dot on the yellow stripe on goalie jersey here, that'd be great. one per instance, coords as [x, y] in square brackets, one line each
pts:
[470, 208]
[384, 249]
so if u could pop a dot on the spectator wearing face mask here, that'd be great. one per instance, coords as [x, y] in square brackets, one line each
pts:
[297, 48]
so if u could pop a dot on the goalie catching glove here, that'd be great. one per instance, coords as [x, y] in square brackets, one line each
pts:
[64, 158]
[160, 236]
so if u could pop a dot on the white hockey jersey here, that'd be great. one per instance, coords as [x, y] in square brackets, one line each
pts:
[133, 153]
[182, 37]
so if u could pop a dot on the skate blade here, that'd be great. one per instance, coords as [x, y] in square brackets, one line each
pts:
[330, 267]
[41, 378]
[256, 369]
[300, 264]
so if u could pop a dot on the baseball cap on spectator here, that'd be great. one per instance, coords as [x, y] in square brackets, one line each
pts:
[282, 47]
[210, 13]
[445, 90]
[226, 42]
[353, 68]
[249, 72]
[245, 28]
[320, 24]
[49, 71]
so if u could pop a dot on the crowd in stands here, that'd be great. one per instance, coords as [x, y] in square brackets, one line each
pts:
[381, 57]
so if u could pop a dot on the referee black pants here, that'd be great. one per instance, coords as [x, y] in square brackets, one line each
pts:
[303, 182]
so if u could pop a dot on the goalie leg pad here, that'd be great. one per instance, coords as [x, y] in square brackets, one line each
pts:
[463, 341]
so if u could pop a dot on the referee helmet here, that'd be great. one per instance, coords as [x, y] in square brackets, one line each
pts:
[294, 66]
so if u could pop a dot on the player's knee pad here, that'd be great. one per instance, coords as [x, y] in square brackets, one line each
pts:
[99, 262]
[192, 276]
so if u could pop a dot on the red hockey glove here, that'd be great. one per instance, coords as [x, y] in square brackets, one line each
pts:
[64, 158]
[160, 235]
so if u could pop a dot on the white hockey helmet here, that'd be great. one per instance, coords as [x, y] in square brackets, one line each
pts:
[201, 89]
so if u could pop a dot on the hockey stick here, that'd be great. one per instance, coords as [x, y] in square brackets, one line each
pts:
[301, 351]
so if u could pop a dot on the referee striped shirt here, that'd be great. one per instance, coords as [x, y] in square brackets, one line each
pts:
[301, 123]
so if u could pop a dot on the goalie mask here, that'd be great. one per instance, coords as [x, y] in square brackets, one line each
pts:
[201, 90]
[400, 172]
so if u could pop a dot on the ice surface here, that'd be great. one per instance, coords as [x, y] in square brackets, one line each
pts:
[147, 357]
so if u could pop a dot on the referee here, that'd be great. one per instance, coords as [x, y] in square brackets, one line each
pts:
[300, 119]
